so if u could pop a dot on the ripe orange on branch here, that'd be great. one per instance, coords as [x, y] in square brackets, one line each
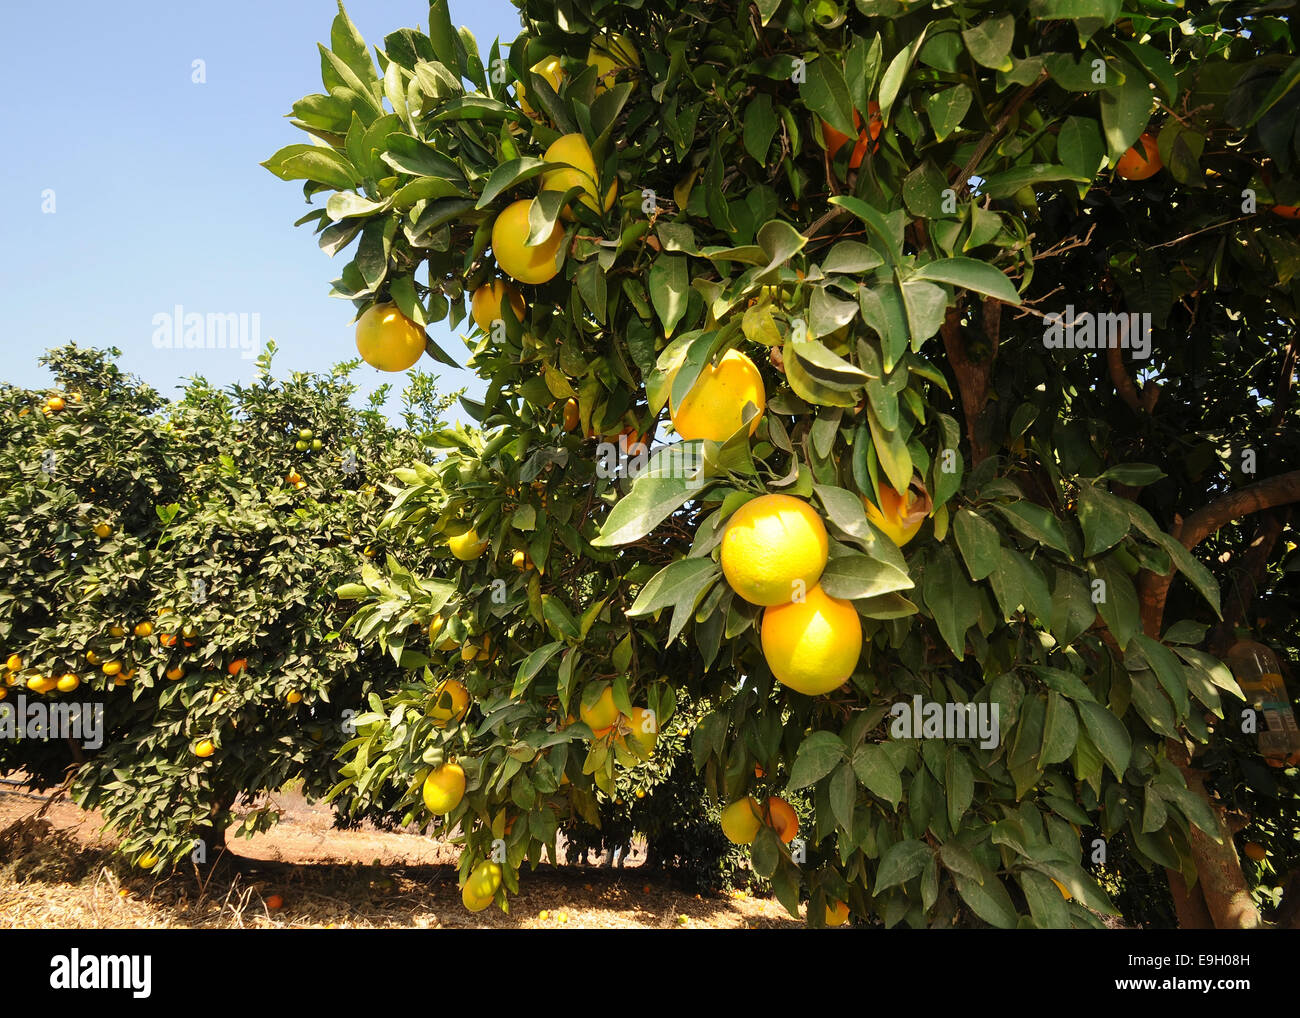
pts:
[534, 265]
[486, 304]
[867, 136]
[812, 645]
[1141, 161]
[388, 340]
[714, 406]
[774, 547]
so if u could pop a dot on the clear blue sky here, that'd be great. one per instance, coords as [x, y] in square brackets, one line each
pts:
[158, 193]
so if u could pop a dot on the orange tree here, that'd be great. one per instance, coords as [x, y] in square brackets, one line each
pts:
[174, 562]
[856, 279]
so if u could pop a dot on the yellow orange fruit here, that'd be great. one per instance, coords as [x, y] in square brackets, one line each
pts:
[571, 414]
[812, 645]
[485, 305]
[774, 548]
[103, 529]
[147, 861]
[14, 663]
[237, 666]
[550, 69]
[175, 674]
[610, 52]
[713, 407]
[444, 788]
[451, 702]
[581, 172]
[293, 697]
[602, 714]
[485, 879]
[204, 748]
[144, 629]
[741, 821]
[899, 519]
[1141, 161]
[68, 683]
[837, 913]
[112, 668]
[467, 546]
[388, 340]
[534, 265]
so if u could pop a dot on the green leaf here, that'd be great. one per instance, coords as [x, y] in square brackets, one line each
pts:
[901, 862]
[664, 486]
[665, 587]
[1104, 526]
[989, 900]
[826, 94]
[532, 664]
[760, 127]
[669, 289]
[1108, 734]
[978, 541]
[970, 274]
[780, 242]
[1168, 669]
[1036, 523]
[1125, 111]
[1007, 183]
[1134, 475]
[1119, 604]
[989, 42]
[1060, 730]
[951, 599]
[315, 163]
[851, 575]
[508, 175]
[877, 773]
[818, 755]
[947, 109]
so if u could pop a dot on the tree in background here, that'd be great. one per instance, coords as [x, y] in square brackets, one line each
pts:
[175, 562]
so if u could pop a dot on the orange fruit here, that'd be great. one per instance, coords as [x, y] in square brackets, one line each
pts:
[293, 697]
[1287, 211]
[388, 340]
[835, 140]
[144, 629]
[1141, 161]
[782, 819]
[451, 702]
[274, 903]
[837, 913]
[601, 715]
[1255, 852]
[204, 748]
[570, 414]
[713, 407]
[175, 674]
[68, 683]
[485, 305]
[535, 265]
[741, 821]
[900, 523]
[812, 645]
[774, 548]
[55, 403]
[112, 668]
[237, 666]
[444, 788]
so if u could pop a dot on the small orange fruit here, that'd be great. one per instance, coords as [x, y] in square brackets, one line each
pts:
[1141, 161]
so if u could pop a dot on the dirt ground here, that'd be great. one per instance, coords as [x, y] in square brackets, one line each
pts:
[56, 872]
